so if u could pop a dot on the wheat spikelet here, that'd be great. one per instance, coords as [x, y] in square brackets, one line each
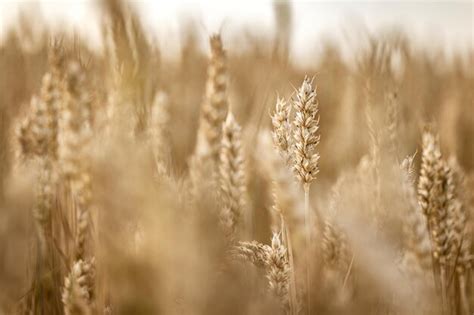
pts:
[78, 290]
[282, 127]
[253, 252]
[215, 105]
[232, 177]
[431, 168]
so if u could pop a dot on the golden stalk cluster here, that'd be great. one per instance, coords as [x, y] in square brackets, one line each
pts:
[145, 203]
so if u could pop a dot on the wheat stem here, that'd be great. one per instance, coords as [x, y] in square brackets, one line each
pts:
[307, 219]
[293, 300]
[462, 290]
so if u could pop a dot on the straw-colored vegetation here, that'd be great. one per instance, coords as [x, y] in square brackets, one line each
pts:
[134, 184]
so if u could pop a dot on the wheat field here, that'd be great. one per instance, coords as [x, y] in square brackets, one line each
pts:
[233, 182]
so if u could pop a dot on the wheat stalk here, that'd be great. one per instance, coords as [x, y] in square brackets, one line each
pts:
[304, 154]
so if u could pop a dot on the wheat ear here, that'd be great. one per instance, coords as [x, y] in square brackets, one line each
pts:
[215, 106]
[38, 137]
[416, 235]
[274, 260]
[432, 199]
[75, 136]
[232, 177]
[205, 159]
[282, 127]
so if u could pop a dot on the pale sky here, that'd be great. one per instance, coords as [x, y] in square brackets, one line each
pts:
[441, 23]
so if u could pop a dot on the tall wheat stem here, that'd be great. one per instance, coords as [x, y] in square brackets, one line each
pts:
[462, 289]
[307, 222]
[443, 289]
[293, 301]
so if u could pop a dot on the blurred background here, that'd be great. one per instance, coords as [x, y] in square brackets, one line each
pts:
[420, 51]
[432, 24]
